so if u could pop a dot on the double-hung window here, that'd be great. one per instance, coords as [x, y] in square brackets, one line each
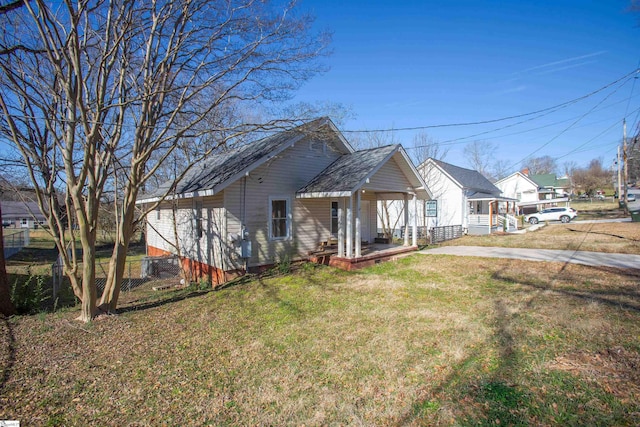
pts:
[334, 218]
[198, 219]
[279, 218]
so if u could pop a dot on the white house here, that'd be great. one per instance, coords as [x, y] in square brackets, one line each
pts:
[466, 198]
[520, 187]
[21, 214]
[281, 198]
[534, 192]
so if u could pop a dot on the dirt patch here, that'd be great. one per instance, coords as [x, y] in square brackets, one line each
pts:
[616, 369]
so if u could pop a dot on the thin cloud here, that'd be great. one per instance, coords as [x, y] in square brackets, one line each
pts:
[566, 67]
[562, 61]
[512, 90]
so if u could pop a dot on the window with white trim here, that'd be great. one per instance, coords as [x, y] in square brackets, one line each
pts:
[279, 218]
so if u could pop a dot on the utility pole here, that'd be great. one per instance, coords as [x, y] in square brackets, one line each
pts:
[619, 177]
[624, 159]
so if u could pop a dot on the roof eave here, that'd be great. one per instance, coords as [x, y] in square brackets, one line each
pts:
[323, 194]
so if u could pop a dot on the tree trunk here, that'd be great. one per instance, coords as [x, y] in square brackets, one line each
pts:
[117, 263]
[89, 292]
[6, 306]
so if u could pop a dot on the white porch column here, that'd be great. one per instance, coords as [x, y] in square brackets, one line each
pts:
[349, 253]
[406, 219]
[414, 239]
[341, 228]
[358, 239]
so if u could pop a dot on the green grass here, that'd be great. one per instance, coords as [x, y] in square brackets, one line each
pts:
[427, 340]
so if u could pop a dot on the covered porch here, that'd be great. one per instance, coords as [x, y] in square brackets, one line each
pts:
[378, 174]
[489, 213]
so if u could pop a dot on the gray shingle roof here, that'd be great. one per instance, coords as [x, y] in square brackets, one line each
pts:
[220, 167]
[19, 209]
[348, 171]
[469, 178]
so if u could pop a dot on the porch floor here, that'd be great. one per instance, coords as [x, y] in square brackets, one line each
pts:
[371, 254]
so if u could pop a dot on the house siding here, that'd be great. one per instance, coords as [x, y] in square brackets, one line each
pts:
[517, 187]
[450, 198]
[389, 177]
[282, 176]
[207, 249]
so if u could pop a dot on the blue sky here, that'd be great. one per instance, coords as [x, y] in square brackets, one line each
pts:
[400, 64]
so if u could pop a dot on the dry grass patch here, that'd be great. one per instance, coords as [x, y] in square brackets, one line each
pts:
[615, 237]
[422, 341]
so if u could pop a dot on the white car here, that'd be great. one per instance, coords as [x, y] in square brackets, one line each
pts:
[552, 214]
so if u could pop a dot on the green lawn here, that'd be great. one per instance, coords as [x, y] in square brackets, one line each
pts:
[426, 340]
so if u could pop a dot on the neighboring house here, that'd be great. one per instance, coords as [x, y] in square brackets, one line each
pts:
[465, 197]
[534, 192]
[550, 186]
[279, 199]
[19, 214]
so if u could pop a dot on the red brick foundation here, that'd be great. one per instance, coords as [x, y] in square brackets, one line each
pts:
[350, 264]
[200, 270]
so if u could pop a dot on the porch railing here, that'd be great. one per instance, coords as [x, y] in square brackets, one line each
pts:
[483, 219]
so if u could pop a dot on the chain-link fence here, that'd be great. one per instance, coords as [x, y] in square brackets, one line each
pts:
[14, 241]
[136, 273]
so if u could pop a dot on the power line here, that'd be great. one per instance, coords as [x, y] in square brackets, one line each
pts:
[461, 140]
[483, 122]
[567, 128]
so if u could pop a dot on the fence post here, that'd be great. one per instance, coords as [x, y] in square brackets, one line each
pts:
[53, 277]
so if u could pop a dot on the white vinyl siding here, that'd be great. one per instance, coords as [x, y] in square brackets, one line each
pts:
[452, 209]
[280, 178]
[207, 214]
[389, 177]
[518, 187]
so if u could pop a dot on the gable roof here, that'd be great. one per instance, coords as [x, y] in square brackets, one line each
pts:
[516, 174]
[544, 180]
[12, 209]
[468, 179]
[212, 175]
[350, 172]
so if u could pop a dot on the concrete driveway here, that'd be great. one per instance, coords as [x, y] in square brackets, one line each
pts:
[576, 257]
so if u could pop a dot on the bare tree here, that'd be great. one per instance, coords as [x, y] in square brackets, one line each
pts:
[425, 147]
[480, 156]
[363, 140]
[501, 169]
[542, 165]
[592, 178]
[97, 95]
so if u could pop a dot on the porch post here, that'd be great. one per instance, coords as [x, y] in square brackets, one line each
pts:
[490, 217]
[358, 239]
[349, 253]
[341, 204]
[414, 239]
[406, 219]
